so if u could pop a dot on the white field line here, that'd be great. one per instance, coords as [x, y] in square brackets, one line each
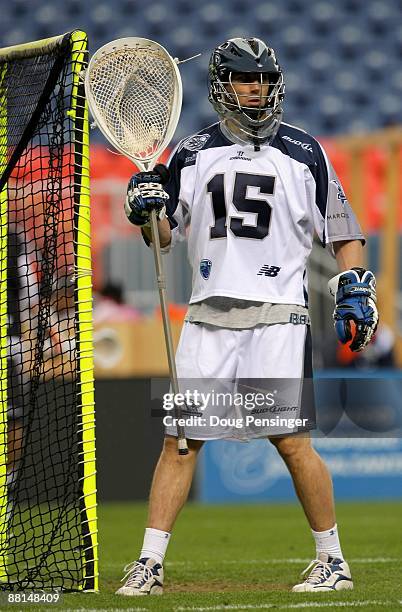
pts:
[306, 604]
[278, 561]
[105, 609]
[296, 606]
[364, 560]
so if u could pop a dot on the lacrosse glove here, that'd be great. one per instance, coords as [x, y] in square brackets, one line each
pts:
[355, 300]
[144, 194]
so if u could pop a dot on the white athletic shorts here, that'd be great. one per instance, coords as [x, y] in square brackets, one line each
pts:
[243, 384]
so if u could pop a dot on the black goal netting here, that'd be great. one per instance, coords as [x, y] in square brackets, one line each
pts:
[45, 533]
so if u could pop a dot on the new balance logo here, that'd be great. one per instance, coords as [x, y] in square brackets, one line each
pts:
[268, 271]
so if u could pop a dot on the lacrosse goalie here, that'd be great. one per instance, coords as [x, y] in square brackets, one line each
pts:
[248, 193]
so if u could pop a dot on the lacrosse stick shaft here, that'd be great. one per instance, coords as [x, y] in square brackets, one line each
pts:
[160, 278]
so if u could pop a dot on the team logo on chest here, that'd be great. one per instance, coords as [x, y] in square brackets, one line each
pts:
[194, 143]
[205, 268]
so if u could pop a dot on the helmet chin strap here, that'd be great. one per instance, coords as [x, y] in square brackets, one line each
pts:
[256, 142]
[237, 133]
[233, 132]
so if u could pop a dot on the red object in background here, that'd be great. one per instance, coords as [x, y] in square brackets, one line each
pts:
[109, 173]
[340, 159]
[29, 197]
[105, 163]
[109, 222]
[374, 170]
[344, 355]
[33, 202]
[176, 312]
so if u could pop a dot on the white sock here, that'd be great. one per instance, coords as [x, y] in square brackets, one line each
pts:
[328, 542]
[155, 544]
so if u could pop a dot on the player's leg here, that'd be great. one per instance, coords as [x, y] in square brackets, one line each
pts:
[310, 475]
[171, 484]
[311, 479]
[313, 485]
[199, 356]
[281, 355]
[202, 360]
[170, 487]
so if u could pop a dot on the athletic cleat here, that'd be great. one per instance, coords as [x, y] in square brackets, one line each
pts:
[325, 574]
[143, 577]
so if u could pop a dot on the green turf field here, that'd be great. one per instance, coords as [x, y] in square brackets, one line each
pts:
[247, 557]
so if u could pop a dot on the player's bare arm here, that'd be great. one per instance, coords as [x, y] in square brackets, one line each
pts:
[349, 254]
[164, 232]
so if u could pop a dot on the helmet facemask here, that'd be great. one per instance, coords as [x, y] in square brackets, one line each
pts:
[258, 123]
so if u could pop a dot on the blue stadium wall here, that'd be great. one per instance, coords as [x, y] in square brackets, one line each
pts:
[365, 463]
[335, 55]
[359, 436]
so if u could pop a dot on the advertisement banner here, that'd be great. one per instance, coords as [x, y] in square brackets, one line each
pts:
[358, 434]
[362, 468]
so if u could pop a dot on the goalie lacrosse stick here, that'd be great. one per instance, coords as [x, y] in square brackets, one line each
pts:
[134, 93]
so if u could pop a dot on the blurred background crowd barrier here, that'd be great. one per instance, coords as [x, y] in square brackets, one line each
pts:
[343, 75]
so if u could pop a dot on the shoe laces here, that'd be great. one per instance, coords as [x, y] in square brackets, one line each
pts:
[317, 571]
[136, 573]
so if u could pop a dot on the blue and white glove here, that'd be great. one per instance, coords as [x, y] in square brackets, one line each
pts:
[144, 194]
[355, 298]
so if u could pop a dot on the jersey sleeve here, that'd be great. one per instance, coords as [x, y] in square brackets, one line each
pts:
[334, 219]
[177, 206]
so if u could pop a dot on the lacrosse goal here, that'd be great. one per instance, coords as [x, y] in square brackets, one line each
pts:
[48, 531]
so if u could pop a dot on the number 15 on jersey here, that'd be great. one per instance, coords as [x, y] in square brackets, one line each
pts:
[261, 207]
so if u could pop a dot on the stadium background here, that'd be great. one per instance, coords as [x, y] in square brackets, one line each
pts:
[343, 74]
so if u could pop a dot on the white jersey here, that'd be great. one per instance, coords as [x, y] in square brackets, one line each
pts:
[250, 215]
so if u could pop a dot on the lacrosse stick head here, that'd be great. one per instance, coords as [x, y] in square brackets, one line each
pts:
[134, 93]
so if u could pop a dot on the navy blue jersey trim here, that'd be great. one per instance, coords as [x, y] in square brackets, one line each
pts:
[305, 294]
[302, 147]
[307, 397]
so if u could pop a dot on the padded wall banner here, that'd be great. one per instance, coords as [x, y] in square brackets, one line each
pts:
[243, 472]
[359, 427]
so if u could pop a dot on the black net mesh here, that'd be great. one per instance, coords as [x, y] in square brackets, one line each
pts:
[42, 515]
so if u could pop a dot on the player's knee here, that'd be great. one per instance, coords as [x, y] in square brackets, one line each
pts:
[292, 446]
